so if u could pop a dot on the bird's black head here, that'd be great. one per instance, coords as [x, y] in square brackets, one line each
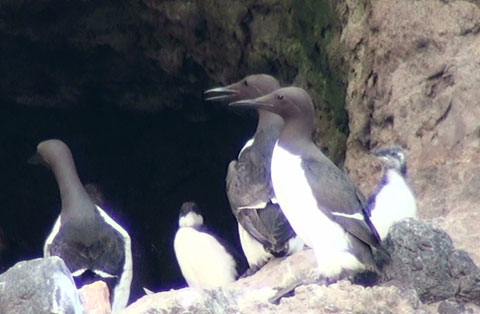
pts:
[50, 152]
[252, 86]
[190, 215]
[393, 158]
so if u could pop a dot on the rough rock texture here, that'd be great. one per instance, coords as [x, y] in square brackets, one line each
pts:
[149, 55]
[342, 297]
[38, 286]
[242, 294]
[415, 81]
[423, 258]
[424, 268]
[251, 295]
[95, 298]
[450, 307]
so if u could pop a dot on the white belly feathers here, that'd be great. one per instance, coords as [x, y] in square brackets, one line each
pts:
[204, 262]
[326, 237]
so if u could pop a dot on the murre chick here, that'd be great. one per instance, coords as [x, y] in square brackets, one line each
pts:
[264, 231]
[322, 205]
[393, 199]
[205, 261]
[84, 236]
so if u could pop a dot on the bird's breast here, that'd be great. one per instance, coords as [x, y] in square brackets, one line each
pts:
[204, 262]
[296, 199]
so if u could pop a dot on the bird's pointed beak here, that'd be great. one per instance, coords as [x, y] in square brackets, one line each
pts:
[258, 103]
[381, 154]
[378, 152]
[220, 93]
[36, 159]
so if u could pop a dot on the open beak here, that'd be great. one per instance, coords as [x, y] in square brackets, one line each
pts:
[220, 93]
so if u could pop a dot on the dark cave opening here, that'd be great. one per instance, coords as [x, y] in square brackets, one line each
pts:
[121, 83]
[144, 165]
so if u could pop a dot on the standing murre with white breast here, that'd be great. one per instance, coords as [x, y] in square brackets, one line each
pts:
[393, 199]
[84, 236]
[322, 205]
[205, 262]
[264, 231]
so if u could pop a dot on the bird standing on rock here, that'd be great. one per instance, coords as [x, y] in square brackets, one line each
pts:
[84, 236]
[204, 260]
[322, 205]
[264, 231]
[393, 200]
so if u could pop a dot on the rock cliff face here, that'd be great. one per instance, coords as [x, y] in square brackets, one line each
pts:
[415, 81]
[380, 73]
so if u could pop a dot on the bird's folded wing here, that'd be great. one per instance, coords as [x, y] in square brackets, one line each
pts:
[248, 186]
[339, 199]
[267, 225]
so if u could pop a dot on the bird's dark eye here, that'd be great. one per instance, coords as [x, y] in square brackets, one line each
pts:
[245, 83]
[279, 97]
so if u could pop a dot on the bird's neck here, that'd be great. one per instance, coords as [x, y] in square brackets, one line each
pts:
[268, 129]
[296, 135]
[73, 195]
[268, 120]
[391, 176]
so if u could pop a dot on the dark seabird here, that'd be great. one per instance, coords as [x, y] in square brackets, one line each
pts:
[205, 261]
[322, 205]
[393, 199]
[264, 231]
[84, 236]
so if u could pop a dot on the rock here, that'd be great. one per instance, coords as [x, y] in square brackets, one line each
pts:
[251, 295]
[424, 268]
[449, 307]
[95, 298]
[424, 259]
[344, 297]
[415, 81]
[42, 285]
[245, 295]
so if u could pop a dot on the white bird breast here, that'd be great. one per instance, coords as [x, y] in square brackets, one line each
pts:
[394, 202]
[190, 220]
[204, 262]
[294, 194]
[297, 201]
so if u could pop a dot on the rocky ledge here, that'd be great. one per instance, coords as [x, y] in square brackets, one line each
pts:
[424, 274]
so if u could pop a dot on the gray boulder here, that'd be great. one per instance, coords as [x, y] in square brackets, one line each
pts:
[42, 285]
[423, 258]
